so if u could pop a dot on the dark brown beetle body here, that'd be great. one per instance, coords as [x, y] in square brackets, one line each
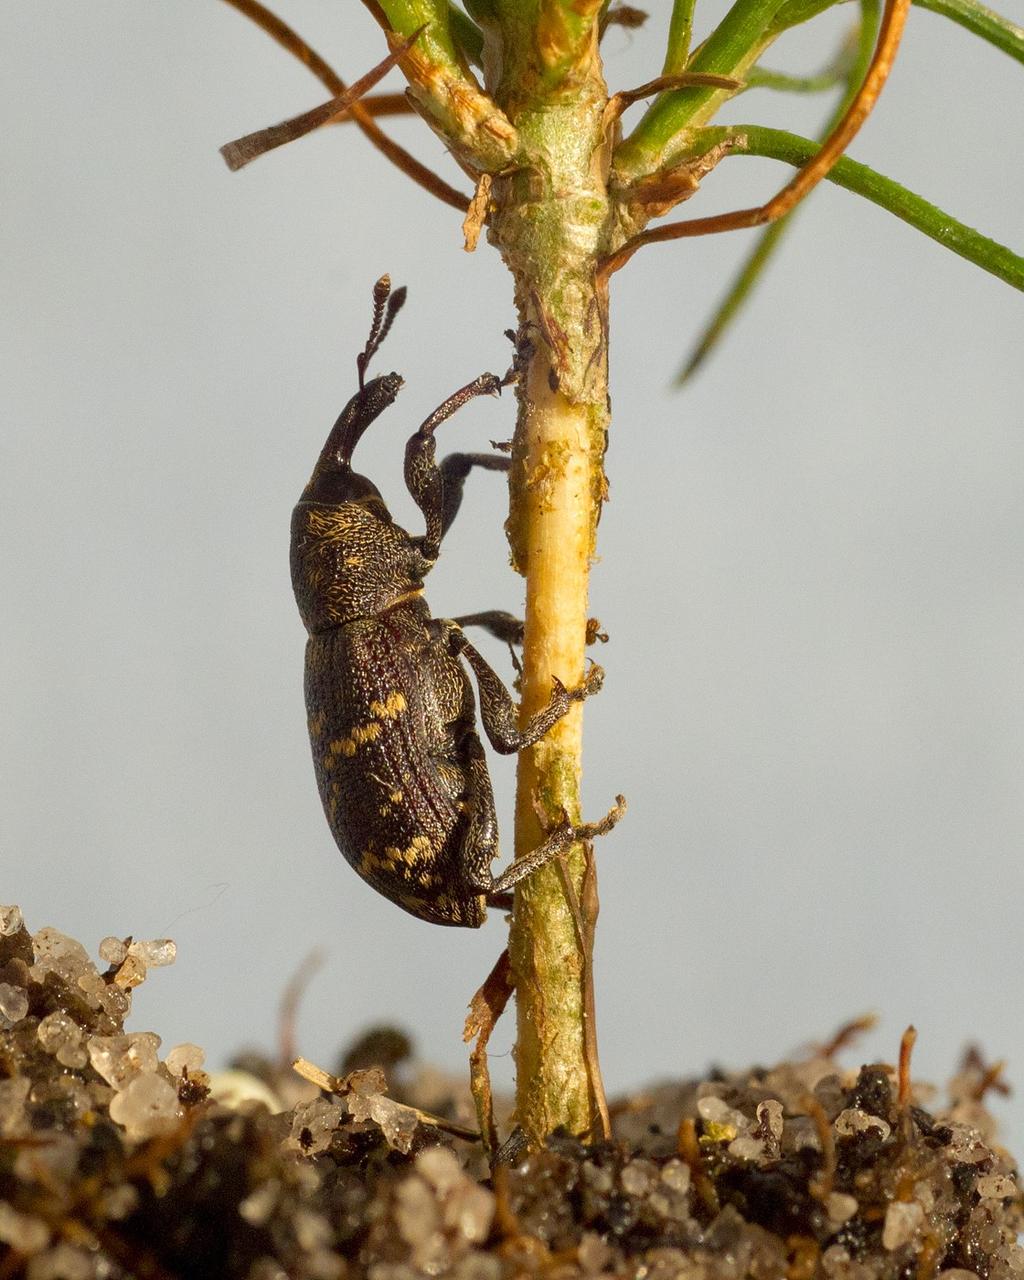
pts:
[392, 716]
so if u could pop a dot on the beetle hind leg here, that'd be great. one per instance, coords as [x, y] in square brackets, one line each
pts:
[557, 842]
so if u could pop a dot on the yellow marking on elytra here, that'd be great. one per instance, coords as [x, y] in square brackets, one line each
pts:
[391, 708]
[412, 854]
[317, 724]
[393, 859]
[359, 735]
[396, 797]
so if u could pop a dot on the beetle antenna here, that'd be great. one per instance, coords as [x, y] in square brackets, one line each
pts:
[381, 292]
[386, 305]
[395, 303]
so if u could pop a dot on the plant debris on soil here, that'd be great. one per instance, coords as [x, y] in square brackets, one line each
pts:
[116, 1163]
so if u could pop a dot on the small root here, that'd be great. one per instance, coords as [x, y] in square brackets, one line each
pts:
[485, 1009]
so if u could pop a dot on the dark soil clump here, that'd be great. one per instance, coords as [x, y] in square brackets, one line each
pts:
[116, 1163]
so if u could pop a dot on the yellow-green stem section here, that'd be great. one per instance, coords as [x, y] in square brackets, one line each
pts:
[555, 505]
[552, 220]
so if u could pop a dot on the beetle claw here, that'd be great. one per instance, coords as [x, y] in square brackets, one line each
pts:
[592, 683]
[591, 830]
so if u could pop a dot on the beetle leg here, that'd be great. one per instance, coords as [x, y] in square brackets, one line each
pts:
[499, 712]
[507, 627]
[424, 479]
[558, 841]
[480, 841]
[510, 629]
[501, 624]
[454, 470]
[480, 845]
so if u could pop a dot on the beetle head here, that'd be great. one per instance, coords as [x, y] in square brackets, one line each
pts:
[333, 479]
[349, 559]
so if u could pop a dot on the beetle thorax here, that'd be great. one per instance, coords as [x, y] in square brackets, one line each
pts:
[350, 560]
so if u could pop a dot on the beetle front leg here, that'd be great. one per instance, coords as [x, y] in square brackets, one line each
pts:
[428, 482]
[498, 710]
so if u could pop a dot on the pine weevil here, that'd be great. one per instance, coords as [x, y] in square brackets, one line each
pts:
[392, 717]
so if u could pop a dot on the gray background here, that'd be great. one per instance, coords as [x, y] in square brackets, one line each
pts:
[810, 566]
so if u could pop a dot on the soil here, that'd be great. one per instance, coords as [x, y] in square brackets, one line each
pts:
[118, 1162]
